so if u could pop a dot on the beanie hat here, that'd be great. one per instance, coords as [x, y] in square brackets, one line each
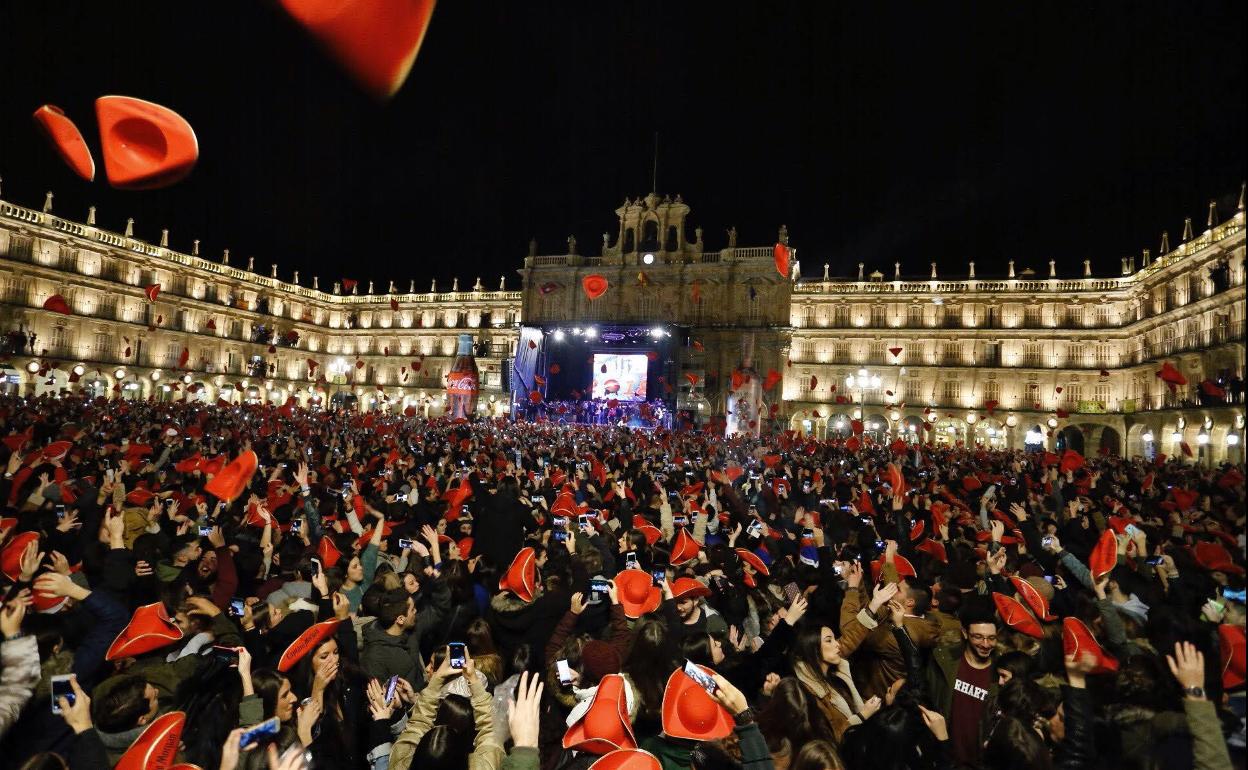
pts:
[598, 658]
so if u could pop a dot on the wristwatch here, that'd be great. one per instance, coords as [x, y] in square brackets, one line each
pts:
[745, 717]
[1194, 692]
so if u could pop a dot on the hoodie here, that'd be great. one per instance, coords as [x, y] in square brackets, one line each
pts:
[386, 655]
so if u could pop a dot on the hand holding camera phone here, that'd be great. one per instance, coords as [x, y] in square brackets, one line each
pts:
[457, 652]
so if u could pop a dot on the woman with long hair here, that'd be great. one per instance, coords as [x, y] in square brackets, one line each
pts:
[333, 684]
[649, 664]
[821, 666]
[790, 720]
[449, 732]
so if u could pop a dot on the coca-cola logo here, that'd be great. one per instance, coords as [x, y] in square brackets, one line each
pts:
[462, 383]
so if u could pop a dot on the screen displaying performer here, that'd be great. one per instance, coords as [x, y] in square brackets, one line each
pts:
[622, 377]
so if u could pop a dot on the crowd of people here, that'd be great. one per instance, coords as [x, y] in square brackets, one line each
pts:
[263, 586]
[654, 413]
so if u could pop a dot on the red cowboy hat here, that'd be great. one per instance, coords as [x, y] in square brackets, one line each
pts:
[1231, 647]
[594, 285]
[903, 565]
[934, 549]
[1032, 598]
[1213, 557]
[781, 256]
[652, 533]
[1071, 461]
[145, 145]
[150, 628]
[1077, 639]
[1104, 555]
[690, 713]
[11, 556]
[157, 747]
[233, 478]
[895, 480]
[604, 727]
[1016, 615]
[327, 552]
[521, 576]
[637, 592]
[54, 451]
[971, 483]
[688, 588]
[309, 640]
[465, 547]
[627, 759]
[684, 548]
[1186, 499]
[756, 564]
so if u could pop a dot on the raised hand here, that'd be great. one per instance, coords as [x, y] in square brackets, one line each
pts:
[1188, 666]
[882, 597]
[524, 711]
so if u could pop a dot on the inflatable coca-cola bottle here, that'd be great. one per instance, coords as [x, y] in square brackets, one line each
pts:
[462, 384]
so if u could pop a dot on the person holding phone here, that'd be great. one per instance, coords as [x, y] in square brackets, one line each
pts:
[449, 730]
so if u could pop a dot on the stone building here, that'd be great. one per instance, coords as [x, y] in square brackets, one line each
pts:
[1021, 357]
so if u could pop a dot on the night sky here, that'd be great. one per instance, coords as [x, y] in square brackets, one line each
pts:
[876, 132]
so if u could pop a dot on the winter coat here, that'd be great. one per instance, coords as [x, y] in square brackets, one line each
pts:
[487, 752]
[385, 656]
[20, 659]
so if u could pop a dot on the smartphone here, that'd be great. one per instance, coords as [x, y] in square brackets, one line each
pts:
[694, 672]
[1155, 561]
[236, 607]
[808, 533]
[880, 545]
[405, 542]
[755, 529]
[598, 589]
[205, 531]
[564, 670]
[392, 687]
[316, 567]
[583, 521]
[1047, 541]
[266, 729]
[680, 521]
[1235, 596]
[791, 591]
[1130, 530]
[296, 526]
[401, 497]
[60, 512]
[61, 687]
[227, 655]
[630, 560]
[559, 522]
[657, 576]
[560, 535]
[1049, 578]
[458, 653]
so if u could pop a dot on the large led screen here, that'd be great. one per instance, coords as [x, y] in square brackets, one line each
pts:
[622, 377]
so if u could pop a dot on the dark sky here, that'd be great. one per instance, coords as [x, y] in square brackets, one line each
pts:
[877, 132]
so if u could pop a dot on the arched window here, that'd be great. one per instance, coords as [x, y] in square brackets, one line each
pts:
[673, 239]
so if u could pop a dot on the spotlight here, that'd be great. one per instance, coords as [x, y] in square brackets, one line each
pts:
[559, 335]
[79, 369]
[590, 333]
[1202, 438]
[1232, 439]
[32, 367]
[647, 258]
[656, 332]
[576, 330]
[1147, 437]
[155, 375]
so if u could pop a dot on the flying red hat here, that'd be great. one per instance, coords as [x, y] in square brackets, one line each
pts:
[690, 713]
[157, 747]
[465, 547]
[781, 256]
[1186, 499]
[627, 759]
[11, 555]
[594, 286]
[688, 588]
[145, 145]
[1231, 648]
[604, 727]
[684, 548]
[150, 628]
[1016, 615]
[1071, 461]
[934, 549]
[57, 304]
[637, 592]
[1077, 639]
[327, 552]
[233, 478]
[67, 140]
[312, 637]
[652, 533]
[1034, 599]
[521, 576]
[1104, 555]
[903, 565]
[1215, 558]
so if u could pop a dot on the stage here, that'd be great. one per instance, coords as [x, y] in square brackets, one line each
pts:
[597, 374]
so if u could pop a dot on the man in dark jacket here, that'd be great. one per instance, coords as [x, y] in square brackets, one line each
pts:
[502, 523]
[962, 683]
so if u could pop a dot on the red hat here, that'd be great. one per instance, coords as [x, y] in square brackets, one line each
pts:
[156, 748]
[934, 549]
[690, 713]
[1211, 556]
[1016, 615]
[145, 145]
[327, 552]
[1077, 639]
[756, 564]
[604, 727]
[971, 483]
[1033, 598]
[652, 533]
[67, 140]
[140, 496]
[465, 547]
[521, 576]
[306, 642]
[903, 565]
[1071, 461]
[150, 628]
[11, 556]
[637, 592]
[233, 478]
[1186, 499]
[57, 304]
[684, 548]
[1104, 555]
[1231, 645]
[627, 759]
[594, 286]
[895, 480]
[54, 451]
[688, 588]
[916, 530]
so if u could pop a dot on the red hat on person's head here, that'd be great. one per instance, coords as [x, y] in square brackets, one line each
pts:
[1016, 615]
[150, 628]
[157, 747]
[652, 533]
[690, 713]
[1186, 499]
[52, 452]
[628, 759]
[1033, 599]
[1231, 646]
[934, 549]
[756, 564]
[1104, 555]
[46, 603]
[688, 588]
[1077, 639]
[684, 548]
[312, 637]
[465, 547]
[1071, 461]
[521, 576]
[1215, 558]
[233, 478]
[971, 483]
[637, 593]
[604, 727]
[11, 555]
